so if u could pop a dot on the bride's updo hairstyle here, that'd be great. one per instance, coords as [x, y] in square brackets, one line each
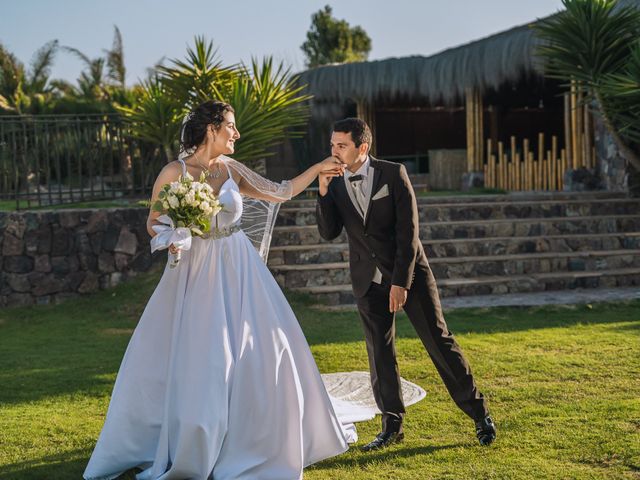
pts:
[194, 129]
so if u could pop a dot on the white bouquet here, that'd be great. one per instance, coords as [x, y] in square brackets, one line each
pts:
[187, 209]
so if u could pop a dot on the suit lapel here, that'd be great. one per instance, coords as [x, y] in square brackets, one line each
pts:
[373, 186]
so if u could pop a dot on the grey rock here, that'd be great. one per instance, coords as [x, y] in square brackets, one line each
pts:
[12, 245]
[127, 242]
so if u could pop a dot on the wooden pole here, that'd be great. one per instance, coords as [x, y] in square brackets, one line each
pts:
[567, 125]
[500, 165]
[471, 136]
[525, 154]
[366, 112]
[505, 172]
[531, 172]
[575, 146]
[488, 180]
[540, 160]
[580, 129]
[480, 129]
[588, 138]
[562, 168]
[493, 175]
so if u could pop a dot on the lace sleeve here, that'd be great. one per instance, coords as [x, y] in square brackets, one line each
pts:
[261, 199]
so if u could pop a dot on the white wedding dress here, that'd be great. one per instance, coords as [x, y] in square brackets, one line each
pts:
[218, 381]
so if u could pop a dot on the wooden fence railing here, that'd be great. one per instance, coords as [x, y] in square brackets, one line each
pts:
[520, 167]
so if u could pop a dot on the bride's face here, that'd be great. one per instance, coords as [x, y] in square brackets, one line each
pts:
[225, 136]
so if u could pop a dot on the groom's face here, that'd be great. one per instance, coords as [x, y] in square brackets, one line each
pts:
[344, 148]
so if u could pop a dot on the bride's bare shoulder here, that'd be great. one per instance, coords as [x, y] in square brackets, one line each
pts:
[170, 172]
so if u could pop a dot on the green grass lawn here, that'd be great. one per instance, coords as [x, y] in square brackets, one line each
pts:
[562, 383]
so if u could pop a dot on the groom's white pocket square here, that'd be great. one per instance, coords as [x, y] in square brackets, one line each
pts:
[383, 192]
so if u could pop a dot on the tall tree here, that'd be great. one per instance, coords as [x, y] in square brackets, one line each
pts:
[330, 40]
[115, 60]
[22, 90]
[269, 103]
[596, 44]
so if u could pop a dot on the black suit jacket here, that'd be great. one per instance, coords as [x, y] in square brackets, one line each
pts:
[388, 237]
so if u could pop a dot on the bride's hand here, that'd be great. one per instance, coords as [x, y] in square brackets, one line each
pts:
[331, 165]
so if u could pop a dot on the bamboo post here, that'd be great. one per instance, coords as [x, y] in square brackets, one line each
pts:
[471, 135]
[567, 125]
[525, 153]
[554, 159]
[547, 171]
[493, 176]
[518, 185]
[366, 112]
[487, 179]
[513, 157]
[500, 161]
[588, 137]
[580, 129]
[575, 145]
[562, 167]
[505, 172]
[479, 130]
[531, 172]
[540, 161]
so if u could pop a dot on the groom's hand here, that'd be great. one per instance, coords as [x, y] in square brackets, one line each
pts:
[397, 298]
[331, 167]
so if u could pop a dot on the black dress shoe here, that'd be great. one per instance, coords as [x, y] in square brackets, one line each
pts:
[486, 431]
[382, 440]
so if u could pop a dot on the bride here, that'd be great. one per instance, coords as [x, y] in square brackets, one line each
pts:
[218, 380]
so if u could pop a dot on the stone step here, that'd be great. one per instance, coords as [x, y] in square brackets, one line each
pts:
[304, 201]
[341, 294]
[311, 275]
[448, 248]
[519, 227]
[444, 212]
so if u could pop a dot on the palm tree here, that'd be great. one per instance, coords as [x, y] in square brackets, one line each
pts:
[269, 104]
[115, 60]
[103, 78]
[91, 83]
[595, 43]
[22, 90]
[155, 116]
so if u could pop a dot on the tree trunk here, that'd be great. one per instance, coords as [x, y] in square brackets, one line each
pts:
[168, 152]
[625, 150]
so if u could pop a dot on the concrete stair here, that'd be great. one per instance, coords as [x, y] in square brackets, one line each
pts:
[481, 245]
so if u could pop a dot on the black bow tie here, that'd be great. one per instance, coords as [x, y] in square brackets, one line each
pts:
[355, 178]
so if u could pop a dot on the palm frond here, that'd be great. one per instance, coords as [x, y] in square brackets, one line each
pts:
[41, 66]
[116, 70]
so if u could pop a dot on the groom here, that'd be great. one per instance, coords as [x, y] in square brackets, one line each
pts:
[375, 203]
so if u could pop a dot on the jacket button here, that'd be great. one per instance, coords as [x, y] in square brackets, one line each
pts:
[373, 255]
[366, 234]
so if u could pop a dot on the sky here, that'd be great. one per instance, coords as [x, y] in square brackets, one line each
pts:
[242, 29]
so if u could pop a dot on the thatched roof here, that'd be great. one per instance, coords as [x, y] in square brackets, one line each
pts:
[483, 64]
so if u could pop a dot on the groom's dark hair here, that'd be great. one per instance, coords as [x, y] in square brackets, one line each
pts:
[359, 130]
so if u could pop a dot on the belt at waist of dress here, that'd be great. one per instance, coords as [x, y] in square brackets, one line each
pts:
[221, 232]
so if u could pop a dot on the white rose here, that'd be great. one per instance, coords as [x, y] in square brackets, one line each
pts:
[173, 201]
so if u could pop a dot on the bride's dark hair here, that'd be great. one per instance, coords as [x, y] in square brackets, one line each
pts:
[195, 128]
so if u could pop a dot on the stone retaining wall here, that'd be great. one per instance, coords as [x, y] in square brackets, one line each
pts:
[48, 256]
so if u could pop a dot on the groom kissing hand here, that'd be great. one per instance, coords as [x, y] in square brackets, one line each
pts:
[374, 201]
